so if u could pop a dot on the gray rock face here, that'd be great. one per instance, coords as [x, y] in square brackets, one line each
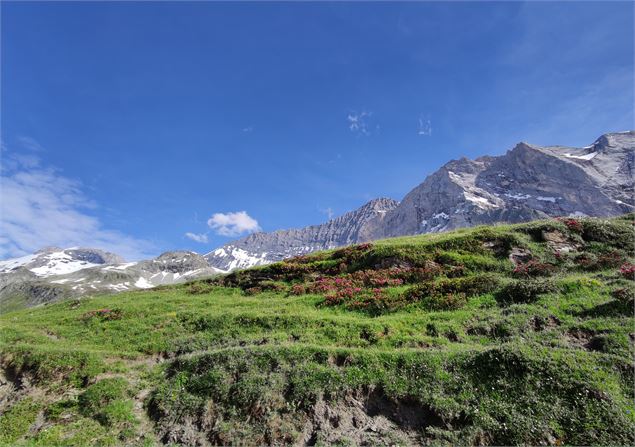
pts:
[528, 182]
[175, 262]
[264, 248]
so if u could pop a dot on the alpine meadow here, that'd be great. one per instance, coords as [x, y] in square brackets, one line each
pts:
[317, 223]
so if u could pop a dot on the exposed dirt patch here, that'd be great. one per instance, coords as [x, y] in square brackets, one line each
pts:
[368, 419]
[585, 339]
[541, 323]
[393, 262]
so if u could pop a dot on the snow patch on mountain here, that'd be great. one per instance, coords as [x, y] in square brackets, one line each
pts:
[586, 157]
[11, 264]
[60, 263]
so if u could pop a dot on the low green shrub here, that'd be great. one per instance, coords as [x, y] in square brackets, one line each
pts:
[47, 366]
[447, 301]
[524, 290]
[15, 422]
[108, 403]
[616, 233]
[452, 289]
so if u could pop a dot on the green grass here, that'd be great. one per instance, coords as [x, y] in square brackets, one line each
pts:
[487, 355]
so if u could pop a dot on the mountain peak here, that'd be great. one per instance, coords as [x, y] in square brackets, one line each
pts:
[380, 204]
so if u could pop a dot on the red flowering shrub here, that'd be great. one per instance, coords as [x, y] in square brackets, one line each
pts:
[572, 224]
[456, 271]
[533, 268]
[362, 290]
[253, 291]
[627, 270]
[300, 259]
[103, 315]
[298, 289]
[584, 260]
[603, 261]
[610, 260]
[353, 252]
[418, 274]
[378, 278]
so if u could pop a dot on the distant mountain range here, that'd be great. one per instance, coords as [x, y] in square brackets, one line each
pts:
[528, 182]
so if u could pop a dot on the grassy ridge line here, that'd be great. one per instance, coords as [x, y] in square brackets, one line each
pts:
[229, 365]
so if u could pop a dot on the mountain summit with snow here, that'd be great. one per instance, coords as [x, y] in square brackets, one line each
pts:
[528, 182]
[52, 273]
[56, 261]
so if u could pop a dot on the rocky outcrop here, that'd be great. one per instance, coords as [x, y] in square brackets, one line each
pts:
[264, 248]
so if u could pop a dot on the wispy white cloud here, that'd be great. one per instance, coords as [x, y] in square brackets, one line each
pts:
[200, 237]
[328, 211]
[248, 129]
[359, 123]
[30, 144]
[233, 224]
[41, 207]
[424, 125]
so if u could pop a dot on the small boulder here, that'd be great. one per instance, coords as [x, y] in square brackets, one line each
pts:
[519, 255]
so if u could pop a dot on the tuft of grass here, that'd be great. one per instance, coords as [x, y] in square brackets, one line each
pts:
[15, 422]
[107, 402]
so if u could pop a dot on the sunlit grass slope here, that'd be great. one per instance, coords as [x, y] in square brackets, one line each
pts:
[494, 335]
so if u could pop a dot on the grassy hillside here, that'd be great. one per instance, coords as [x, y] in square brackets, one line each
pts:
[494, 335]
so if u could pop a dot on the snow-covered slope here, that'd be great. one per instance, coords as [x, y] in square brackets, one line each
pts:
[54, 273]
[56, 261]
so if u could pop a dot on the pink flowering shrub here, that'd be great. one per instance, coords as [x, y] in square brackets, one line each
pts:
[352, 253]
[603, 261]
[103, 315]
[533, 267]
[361, 290]
[627, 270]
[610, 260]
[572, 224]
[298, 289]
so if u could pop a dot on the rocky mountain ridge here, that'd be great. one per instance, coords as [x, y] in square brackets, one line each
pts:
[264, 248]
[528, 182]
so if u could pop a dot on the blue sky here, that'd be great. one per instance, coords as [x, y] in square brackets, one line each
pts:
[128, 125]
